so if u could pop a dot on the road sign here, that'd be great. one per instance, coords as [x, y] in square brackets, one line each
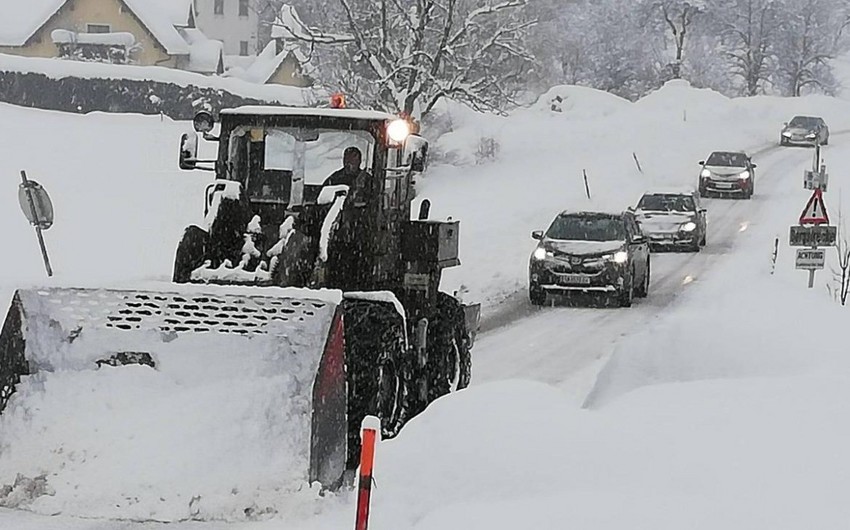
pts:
[815, 211]
[813, 236]
[813, 180]
[811, 258]
[38, 209]
[36, 204]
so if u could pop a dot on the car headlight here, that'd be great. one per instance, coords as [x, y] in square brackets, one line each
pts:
[541, 253]
[786, 134]
[811, 135]
[705, 173]
[620, 257]
[690, 226]
[744, 175]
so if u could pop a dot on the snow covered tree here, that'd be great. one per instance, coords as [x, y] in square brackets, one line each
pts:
[677, 17]
[810, 36]
[748, 29]
[406, 55]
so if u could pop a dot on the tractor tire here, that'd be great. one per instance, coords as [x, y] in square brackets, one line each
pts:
[375, 346]
[191, 253]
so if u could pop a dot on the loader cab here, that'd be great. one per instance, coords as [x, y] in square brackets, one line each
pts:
[282, 156]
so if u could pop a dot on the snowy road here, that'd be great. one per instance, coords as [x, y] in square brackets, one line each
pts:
[566, 346]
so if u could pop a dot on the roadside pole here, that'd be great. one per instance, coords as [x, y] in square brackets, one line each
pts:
[369, 435]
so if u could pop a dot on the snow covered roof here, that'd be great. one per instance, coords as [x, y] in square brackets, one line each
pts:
[267, 63]
[21, 19]
[161, 23]
[205, 54]
[179, 12]
[354, 114]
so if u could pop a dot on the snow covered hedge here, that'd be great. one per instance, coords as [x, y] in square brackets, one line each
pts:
[82, 95]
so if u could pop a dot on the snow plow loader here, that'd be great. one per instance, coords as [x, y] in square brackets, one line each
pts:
[309, 256]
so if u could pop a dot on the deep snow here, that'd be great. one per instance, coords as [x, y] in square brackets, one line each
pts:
[724, 410]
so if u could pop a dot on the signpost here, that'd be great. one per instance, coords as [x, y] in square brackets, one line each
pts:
[814, 230]
[36, 205]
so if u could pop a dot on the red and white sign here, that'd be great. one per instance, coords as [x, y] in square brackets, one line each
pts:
[815, 211]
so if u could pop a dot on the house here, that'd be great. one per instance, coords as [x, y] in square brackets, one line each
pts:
[278, 64]
[236, 23]
[141, 32]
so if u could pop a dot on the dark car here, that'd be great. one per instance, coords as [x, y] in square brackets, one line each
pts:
[805, 130]
[727, 173]
[672, 220]
[590, 252]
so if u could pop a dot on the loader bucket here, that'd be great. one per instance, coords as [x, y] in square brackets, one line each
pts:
[298, 334]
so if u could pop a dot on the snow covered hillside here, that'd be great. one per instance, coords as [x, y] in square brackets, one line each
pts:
[715, 403]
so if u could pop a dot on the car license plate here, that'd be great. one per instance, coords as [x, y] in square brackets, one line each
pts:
[575, 279]
[724, 185]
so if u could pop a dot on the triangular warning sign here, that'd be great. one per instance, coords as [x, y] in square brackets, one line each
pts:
[815, 211]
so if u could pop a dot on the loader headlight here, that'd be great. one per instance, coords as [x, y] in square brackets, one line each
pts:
[398, 130]
[203, 122]
[744, 175]
[705, 173]
[690, 226]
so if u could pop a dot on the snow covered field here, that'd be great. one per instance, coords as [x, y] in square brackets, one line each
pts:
[719, 401]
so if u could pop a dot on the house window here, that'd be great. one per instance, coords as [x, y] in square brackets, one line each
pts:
[98, 28]
[218, 8]
[243, 8]
[243, 48]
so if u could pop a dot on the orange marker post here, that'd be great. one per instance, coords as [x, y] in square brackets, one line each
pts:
[369, 435]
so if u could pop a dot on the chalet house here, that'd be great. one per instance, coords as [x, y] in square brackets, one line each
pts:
[140, 32]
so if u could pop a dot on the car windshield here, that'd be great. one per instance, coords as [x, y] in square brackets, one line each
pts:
[667, 203]
[727, 159]
[803, 122]
[587, 228]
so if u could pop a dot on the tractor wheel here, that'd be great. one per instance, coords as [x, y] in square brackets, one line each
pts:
[191, 253]
[374, 350]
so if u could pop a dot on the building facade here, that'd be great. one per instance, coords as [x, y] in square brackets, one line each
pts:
[234, 22]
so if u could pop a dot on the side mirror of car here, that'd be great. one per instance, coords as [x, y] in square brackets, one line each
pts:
[703, 210]
[188, 151]
[537, 234]
[701, 162]
[754, 165]
[785, 124]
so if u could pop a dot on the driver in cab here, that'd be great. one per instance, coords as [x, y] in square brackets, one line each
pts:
[350, 174]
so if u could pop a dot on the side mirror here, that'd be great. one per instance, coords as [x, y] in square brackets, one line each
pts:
[785, 124]
[416, 151]
[703, 210]
[701, 162]
[189, 151]
[754, 166]
[537, 234]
